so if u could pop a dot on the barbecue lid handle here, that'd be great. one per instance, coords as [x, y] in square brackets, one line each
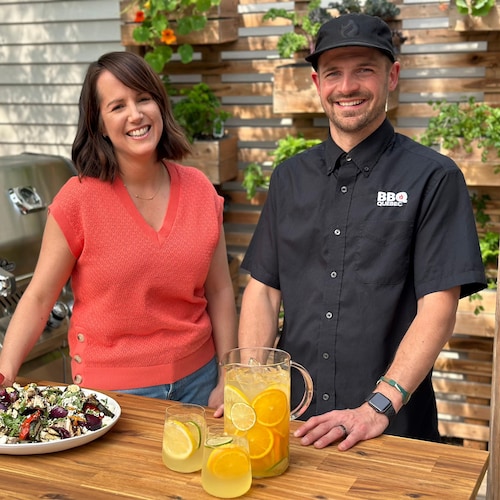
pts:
[7, 283]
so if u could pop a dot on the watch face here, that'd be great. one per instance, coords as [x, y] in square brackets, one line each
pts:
[380, 402]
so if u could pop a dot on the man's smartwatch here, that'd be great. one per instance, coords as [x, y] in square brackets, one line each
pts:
[381, 404]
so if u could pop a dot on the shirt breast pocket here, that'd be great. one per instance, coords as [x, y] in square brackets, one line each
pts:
[382, 252]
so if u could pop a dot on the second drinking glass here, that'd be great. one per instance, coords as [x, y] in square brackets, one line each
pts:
[183, 437]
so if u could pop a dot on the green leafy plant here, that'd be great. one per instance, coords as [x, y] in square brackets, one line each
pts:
[161, 21]
[488, 243]
[253, 175]
[464, 123]
[474, 7]
[306, 26]
[380, 8]
[200, 113]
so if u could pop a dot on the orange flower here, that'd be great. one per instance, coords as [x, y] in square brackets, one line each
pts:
[168, 36]
[139, 16]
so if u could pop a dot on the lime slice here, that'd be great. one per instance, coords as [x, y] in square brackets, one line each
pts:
[242, 416]
[216, 441]
[178, 442]
[195, 430]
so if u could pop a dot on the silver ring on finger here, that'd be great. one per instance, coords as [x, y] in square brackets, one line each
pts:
[343, 429]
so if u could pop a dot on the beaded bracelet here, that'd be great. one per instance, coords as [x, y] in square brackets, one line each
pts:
[406, 395]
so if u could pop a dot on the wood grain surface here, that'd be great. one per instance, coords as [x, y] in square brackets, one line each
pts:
[126, 463]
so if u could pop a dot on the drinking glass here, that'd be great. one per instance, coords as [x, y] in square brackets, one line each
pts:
[183, 437]
[226, 471]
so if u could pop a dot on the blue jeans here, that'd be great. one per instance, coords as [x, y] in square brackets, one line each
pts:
[194, 388]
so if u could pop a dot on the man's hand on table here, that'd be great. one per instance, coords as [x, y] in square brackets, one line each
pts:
[347, 426]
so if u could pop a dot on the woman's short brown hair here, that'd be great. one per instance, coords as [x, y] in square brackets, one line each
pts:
[92, 153]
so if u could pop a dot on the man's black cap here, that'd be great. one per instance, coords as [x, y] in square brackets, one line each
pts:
[350, 30]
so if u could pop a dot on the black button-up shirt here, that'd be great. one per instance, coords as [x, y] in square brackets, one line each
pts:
[352, 241]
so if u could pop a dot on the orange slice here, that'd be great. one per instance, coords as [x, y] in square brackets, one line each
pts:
[260, 441]
[227, 463]
[270, 406]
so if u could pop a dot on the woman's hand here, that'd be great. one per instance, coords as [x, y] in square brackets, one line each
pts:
[216, 398]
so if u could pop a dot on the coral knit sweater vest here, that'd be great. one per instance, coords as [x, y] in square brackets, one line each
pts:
[139, 316]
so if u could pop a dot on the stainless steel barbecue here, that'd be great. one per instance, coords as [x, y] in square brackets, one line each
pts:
[28, 183]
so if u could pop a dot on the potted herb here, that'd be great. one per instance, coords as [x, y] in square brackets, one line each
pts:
[474, 15]
[169, 26]
[200, 113]
[306, 26]
[254, 176]
[466, 126]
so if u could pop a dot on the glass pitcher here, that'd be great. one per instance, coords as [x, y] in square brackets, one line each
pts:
[257, 404]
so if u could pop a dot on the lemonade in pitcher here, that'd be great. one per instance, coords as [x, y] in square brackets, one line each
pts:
[257, 405]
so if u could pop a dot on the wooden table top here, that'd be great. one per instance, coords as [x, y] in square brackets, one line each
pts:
[126, 463]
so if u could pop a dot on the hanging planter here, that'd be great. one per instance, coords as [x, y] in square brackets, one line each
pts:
[487, 19]
[200, 114]
[217, 159]
[166, 28]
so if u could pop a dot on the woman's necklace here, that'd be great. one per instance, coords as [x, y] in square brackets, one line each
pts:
[149, 198]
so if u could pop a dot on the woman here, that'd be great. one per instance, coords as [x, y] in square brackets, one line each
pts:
[141, 238]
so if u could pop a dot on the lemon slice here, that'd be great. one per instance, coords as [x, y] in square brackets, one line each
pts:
[242, 416]
[234, 395]
[227, 463]
[195, 431]
[178, 440]
[215, 442]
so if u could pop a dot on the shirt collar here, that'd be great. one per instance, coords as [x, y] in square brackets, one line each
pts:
[366, 154]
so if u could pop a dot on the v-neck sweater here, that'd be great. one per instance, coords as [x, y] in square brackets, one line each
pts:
[140, 312]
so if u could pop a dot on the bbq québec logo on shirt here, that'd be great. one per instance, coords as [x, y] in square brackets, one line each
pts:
[390, 199]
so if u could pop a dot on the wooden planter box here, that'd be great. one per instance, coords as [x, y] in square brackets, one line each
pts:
[295, 92]
[476, 172]
[217, 159]
[458, 22]
[222, 25]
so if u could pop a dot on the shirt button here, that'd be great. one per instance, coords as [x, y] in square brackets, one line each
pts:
[348, 158]
[77, 359]
[326, 397]
[77, 379]
[326, 355]
[333, 274]
[366, 169]
[329, 315]
[336, 232]
[343, 189]
[80, 337]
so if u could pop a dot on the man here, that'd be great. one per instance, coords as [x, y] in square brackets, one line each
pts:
[369, 240]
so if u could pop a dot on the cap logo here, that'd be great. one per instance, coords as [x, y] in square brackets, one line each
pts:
[349, 29]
